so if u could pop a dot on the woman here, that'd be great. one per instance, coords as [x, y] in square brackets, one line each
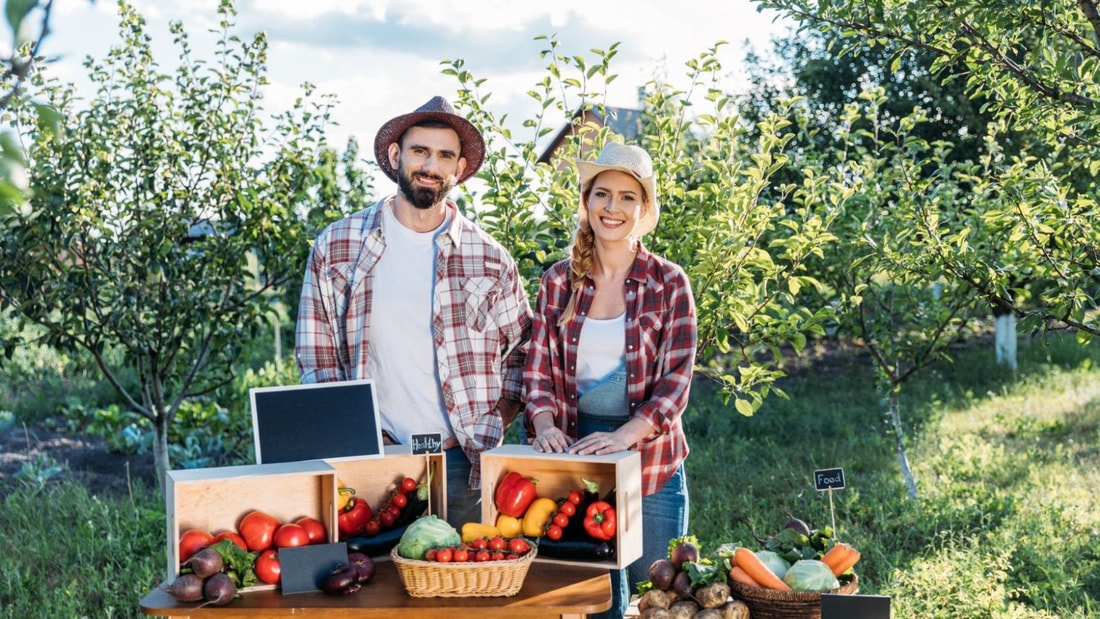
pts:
[613, 349]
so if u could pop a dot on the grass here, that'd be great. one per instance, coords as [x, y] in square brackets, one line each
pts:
[1006, 523]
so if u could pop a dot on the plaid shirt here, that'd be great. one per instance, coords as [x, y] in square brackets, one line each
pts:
[481, 320]
[660, 357]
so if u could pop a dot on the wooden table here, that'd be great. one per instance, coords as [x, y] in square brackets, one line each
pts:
[550, 590]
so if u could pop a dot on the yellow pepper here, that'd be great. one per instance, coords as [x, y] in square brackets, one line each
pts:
[509, 526]
[538, 516]
[476, 530]
[343, 495]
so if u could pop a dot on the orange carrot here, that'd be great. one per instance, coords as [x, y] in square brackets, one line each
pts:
[754, 567]
[845, 563]
[836, 554]
[739, 575]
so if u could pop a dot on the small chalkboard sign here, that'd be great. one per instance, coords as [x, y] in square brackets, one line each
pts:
[303, 568]
[427, 443]
[829, 479]
[311, 422]
[840, 606]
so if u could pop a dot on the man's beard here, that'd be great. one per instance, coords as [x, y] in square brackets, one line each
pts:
[423, 197]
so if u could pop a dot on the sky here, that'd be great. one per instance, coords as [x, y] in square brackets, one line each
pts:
[381, 58]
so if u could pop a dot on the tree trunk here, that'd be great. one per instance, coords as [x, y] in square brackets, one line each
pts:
[160, 451]
[899, 441]
[1005, 340]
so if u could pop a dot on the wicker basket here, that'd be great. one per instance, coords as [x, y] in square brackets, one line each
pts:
[772, 604]
[426, 579]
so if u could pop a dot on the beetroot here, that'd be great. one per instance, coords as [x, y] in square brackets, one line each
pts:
[684, 552]
[186, 588]
[219, 590]
[205, 562]
[661, 573]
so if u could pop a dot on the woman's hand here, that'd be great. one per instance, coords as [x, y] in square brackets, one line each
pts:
[551, 440]
[599, 443]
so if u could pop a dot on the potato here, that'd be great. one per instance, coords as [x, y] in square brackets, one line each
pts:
[734, 609]
[684, 609]
[709, 613]
[656, 613]
[713, 596]
[654, 598]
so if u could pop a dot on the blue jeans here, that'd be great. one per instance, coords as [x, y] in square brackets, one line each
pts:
[664, 517]
[463, 505]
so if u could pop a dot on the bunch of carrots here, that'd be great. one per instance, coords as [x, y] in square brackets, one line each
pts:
[749, 570]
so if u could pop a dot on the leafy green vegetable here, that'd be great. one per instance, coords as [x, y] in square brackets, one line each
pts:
[238, 563]
[810, 575]
[424, 533]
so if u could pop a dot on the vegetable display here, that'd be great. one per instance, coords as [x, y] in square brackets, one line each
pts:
[684, 584]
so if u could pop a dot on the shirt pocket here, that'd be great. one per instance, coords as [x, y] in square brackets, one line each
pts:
[339, 282]
[481, 294]
[650, 329]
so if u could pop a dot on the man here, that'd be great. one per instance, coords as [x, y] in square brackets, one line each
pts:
[412, 294]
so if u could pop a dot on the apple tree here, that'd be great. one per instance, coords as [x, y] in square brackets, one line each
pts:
[167, 215]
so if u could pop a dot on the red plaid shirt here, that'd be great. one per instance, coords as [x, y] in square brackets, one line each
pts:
[481, 320]
[660, 357]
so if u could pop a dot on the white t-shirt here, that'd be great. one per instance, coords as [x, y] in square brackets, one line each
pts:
[401, 351]
[601, 350]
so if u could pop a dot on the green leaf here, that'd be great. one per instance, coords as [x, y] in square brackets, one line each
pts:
[16, 11]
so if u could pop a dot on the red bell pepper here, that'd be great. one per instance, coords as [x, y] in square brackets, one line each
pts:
[514, 494]
[599, 520]
[352, 520]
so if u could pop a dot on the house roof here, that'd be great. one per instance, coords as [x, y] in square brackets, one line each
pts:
[624, 121]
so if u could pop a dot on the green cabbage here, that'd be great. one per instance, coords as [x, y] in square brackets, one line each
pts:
[777, 564]
[810, 575]
[424, 533]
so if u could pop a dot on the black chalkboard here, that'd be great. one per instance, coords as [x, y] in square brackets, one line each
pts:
[840, 606]
[311, 422]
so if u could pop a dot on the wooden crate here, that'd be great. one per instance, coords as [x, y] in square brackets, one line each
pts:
[215, 499]
[557, 474]
[374, 478]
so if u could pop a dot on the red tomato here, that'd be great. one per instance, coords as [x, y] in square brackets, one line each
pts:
[386, 518]
[408, 484]
[497, 543]
[429, 554]
[400, 501]
[315, 529]
[267, 567]
[560, 519]
[518, 546]
[231, 536]
[482, 555]
[554, 532]
[479, 544]
[568, 508]
[192, 541]
[444, 555]
[461, 555]
[496, 556]
[258, 530]
[575, 497]
[511, 556]
[291, 535]
[373, 526]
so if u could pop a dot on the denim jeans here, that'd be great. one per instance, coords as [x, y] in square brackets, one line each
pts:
[463, 505]
[664, 517]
